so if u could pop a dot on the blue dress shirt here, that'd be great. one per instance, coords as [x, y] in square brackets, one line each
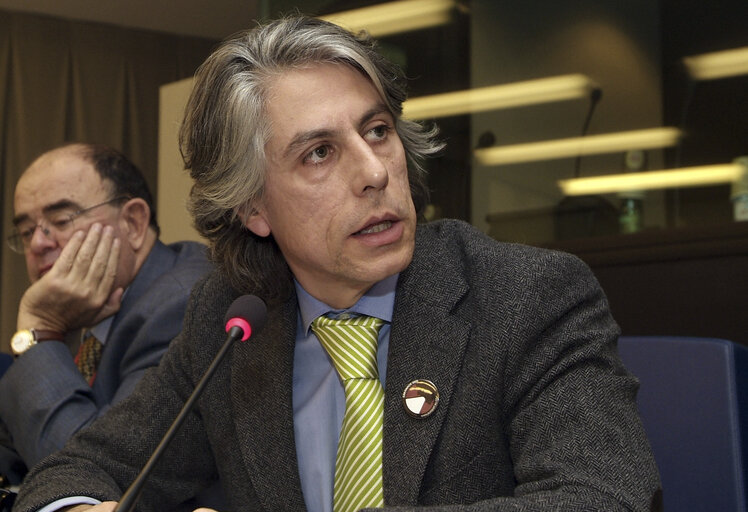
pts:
[318, 396]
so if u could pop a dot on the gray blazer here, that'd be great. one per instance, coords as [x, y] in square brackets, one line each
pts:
[44, 399]
[536, 412]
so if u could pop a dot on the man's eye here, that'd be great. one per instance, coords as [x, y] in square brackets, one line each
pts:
[318, 154]
[26, 233]
[61, 223]
[380, 132]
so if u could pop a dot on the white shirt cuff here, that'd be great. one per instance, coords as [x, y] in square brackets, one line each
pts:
[68, 502]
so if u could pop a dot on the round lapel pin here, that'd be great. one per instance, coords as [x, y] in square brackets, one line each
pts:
[420, 398]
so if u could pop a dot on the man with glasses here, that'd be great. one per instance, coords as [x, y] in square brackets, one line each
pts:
[106, 297]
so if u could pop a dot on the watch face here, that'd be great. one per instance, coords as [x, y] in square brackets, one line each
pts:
[21, 342]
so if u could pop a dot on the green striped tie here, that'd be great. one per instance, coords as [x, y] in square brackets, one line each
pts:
[352, 345]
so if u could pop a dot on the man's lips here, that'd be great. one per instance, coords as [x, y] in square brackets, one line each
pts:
[378, 233]
[45, 269]
[375, 228]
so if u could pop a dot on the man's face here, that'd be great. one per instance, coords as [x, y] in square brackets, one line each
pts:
[336, 197]
[55, 184]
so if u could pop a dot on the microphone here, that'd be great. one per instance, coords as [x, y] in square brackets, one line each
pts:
[245, 317]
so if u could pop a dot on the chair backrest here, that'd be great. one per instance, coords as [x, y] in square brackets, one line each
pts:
[692, 402]
[5, 361]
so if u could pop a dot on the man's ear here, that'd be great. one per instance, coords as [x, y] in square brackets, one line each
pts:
[255, 220]
[258, 225]
[135, 217]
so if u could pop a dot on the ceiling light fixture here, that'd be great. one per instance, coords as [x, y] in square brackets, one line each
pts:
[674, 178]
[710, 66]
[517, 94]
[578, 146]
[395, 17]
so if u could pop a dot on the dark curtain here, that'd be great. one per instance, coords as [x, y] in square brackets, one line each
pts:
[64, 81]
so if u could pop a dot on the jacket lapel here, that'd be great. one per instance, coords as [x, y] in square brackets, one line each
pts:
[427, 341]
[159, 260]
[261, 390]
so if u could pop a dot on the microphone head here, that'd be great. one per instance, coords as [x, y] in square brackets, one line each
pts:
[247, 312]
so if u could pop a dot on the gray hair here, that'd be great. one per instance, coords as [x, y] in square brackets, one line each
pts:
[225, 131]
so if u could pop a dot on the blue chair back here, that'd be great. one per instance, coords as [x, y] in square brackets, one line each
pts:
[693, 404]
[5, 362]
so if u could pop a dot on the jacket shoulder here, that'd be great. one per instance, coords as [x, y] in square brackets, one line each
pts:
[456, 246]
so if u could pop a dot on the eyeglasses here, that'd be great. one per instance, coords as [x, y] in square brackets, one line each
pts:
[57, 223]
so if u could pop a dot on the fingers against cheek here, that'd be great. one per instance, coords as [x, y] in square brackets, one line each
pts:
[86, 258]
[113, 261]
[68, 255]
[100, 260]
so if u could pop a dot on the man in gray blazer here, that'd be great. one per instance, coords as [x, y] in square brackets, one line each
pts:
[85, 223]
[502, 388]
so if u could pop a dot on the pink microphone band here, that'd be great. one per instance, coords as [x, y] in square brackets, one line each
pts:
[242, 324]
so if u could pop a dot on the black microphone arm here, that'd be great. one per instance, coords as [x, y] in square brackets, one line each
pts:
[248, 312]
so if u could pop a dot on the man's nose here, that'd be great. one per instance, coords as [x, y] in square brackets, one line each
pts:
[370, 169]
[42, 239]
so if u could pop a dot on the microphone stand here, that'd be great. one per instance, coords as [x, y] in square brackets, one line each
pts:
[130, 498]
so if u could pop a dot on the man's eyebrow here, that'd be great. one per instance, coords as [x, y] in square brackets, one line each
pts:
[379, 108]
[303, 138]
[63, 204]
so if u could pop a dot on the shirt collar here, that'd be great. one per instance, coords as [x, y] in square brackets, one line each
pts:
[378, 302]
[101, 330]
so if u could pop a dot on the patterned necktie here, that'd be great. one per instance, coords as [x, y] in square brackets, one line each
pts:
[352, 345]
[89, 355]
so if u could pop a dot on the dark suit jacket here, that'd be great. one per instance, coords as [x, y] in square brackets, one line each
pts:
[536, 412]
[44, 399]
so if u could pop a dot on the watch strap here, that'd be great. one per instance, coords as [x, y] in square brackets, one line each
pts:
[41, 335]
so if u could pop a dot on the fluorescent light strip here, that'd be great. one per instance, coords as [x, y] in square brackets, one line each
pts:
[686, 177]
[543, 90]
[395, 17]
[578, 146]
[710, 66]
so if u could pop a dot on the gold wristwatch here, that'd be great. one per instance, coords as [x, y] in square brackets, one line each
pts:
[27, 338]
